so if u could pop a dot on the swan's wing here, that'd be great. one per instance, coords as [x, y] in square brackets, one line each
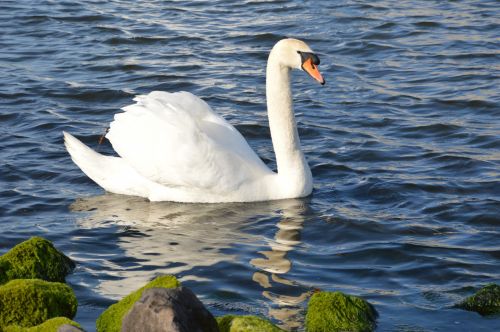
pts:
[175, 139]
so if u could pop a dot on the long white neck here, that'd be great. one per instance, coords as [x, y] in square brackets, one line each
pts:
[293, 169]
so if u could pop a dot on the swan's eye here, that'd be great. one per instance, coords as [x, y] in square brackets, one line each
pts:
[308, 55]
[315, 59]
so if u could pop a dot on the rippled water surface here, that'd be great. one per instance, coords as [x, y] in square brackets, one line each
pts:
[403, 142]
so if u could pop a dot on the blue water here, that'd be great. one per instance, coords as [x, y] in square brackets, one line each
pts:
[403, 142]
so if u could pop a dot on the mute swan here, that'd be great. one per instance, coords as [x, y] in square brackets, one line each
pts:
[173, 147]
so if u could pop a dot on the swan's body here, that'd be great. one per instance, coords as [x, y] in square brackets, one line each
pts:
[173, 147]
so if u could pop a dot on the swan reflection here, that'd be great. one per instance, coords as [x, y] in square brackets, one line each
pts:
[174, 238]
[276, 264]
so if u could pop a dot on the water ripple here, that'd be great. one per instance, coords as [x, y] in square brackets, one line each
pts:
[403, 144]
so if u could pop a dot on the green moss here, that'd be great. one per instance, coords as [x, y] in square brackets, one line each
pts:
[485, 302]
[29, 302]
[50, 325]
[35, 258]
[4, 267]
[231, 323]
[111, 319]
[335, 311]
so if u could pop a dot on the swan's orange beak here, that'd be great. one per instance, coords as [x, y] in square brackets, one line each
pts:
[312, 69]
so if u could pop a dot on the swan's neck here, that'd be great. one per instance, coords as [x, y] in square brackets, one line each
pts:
[292, 165]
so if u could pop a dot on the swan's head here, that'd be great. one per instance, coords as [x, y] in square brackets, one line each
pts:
[296, 54]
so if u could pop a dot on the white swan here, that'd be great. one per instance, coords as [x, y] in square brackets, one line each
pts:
[173, 147]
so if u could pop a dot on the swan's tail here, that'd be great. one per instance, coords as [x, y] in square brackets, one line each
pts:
[111, 173]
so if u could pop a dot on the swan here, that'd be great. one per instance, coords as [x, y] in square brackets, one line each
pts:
[174, 147]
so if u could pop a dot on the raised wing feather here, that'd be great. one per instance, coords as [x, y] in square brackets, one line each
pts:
[175, 139]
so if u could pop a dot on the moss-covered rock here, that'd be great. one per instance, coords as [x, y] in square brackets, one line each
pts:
[336, 311]
[30, 302]
[111, 319]
[232, 323]
[50, 325]
[485, 302]
[35, 258]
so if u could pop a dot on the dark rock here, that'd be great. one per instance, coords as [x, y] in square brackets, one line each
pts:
[169, 310]
[111, 319]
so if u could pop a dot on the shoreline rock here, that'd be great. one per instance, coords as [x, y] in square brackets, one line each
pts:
[111, 319]
[36, 258]
[57, 324]
[485, 302]
[233, 323]
[169, 309]
[33, 298]
[336, 311]
[30, 302]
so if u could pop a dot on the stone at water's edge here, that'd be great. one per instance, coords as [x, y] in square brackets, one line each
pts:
[69, 328]
[485, 302]
[335, 311]
[231, 323]
[169, 310]
[111, 319]
[36, 258]
[58, 324]
[30, 302]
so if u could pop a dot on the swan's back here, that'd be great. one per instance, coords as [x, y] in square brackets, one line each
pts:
[176, 140]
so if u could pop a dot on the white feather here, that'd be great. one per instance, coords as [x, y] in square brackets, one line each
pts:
[175, 139]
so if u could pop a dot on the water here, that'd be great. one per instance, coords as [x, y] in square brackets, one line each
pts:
[403, 143]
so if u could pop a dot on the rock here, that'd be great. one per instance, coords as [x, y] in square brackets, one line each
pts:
[169, 310]
[30, 302]
[111, 319]
[335, 311]
[35, 258]
[58, 324]
[231, 323]
[485, 302]
[68, 328]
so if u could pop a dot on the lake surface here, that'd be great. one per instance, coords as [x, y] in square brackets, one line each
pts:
[403, 142]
